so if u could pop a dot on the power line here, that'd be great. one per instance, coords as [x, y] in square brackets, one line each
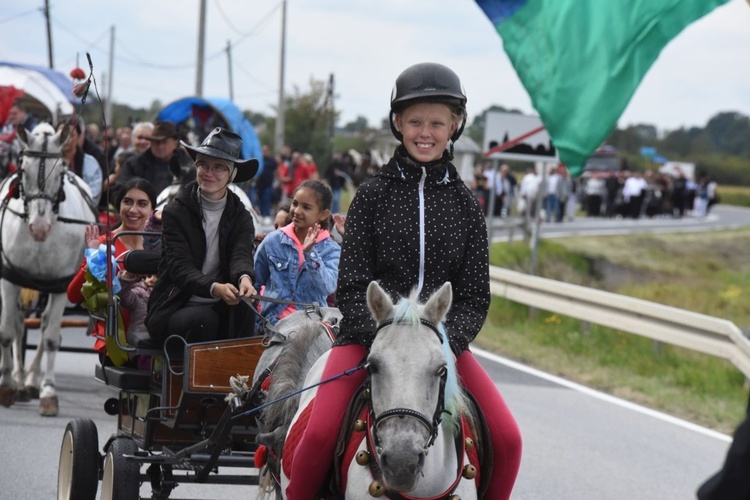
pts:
[135, 59]
[18, 16]
[252, 76]
[226, 18]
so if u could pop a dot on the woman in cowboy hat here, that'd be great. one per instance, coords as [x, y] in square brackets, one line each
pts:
[207, 246]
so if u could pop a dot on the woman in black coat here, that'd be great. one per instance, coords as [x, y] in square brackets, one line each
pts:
[207, 246]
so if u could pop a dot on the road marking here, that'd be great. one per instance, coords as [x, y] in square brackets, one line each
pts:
[602, 396]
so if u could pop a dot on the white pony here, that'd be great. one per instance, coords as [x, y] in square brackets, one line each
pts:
[412, 435]
[42, 217]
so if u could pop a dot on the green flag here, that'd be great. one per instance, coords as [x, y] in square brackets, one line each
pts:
[582, 60]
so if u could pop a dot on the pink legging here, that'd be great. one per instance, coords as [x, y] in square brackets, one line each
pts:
[314, 454]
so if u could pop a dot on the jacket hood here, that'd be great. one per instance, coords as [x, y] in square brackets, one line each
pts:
[289, 231]
[402, 168]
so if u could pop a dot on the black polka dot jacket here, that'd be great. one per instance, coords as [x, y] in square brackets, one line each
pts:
[414, 228]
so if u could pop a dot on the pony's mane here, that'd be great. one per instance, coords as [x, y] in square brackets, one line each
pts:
[407, 311]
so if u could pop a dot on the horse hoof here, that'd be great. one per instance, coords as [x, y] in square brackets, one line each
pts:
[7, 396]
[48, 406]
[23, 396]
[32, 391]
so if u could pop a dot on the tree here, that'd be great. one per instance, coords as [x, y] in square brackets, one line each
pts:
[308, 119]
[358, 125]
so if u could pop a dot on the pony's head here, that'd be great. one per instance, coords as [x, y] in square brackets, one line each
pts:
[42, 171]
[413, 380]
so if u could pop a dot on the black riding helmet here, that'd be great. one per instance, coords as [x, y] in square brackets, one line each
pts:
[427, 82]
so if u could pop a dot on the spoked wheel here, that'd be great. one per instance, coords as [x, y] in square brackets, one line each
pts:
[120, 479]
[78, 474]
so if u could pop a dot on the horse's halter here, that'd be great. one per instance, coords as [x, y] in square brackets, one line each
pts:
[432, 425]
[41, 180]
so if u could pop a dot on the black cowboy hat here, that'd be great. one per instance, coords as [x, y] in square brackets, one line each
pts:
[225, 145]
[163, 130]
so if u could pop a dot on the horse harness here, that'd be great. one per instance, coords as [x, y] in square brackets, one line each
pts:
[59, 197]
[16, 190]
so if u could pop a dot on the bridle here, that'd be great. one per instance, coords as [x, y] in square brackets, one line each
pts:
[55, 199]
[432, 425]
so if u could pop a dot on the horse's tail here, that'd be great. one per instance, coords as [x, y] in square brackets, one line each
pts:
[267, 485]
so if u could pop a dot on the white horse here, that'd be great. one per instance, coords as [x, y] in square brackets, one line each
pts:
[412, 435]
[42, 217]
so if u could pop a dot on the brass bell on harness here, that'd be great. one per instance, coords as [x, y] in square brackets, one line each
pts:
[360, 425]
[362, 457]
[376, 489]
[469, 472]
[469, 443]
[454, 497]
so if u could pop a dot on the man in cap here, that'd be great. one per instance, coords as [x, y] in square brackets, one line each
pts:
[207, 248]
[154, 163]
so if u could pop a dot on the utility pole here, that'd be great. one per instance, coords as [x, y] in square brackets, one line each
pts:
[201, 45]
[229, 63]
[108, 107]
[49, 35]
[278, 137]
[332, 111]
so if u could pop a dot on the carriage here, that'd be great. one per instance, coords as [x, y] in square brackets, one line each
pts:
[184, 419]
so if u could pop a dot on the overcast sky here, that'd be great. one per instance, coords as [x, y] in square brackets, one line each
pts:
[365, 44]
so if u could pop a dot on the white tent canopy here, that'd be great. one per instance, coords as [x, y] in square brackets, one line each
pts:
[38, 85]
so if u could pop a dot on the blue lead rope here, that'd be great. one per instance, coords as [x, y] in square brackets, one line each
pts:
[300, 391]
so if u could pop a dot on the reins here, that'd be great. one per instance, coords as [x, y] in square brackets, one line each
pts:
[360, 366]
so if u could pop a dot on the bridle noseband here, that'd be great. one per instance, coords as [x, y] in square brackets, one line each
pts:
[433, 425]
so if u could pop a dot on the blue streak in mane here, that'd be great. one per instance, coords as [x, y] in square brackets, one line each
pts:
[406, 312]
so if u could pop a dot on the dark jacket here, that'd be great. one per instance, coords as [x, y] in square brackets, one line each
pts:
[265, 179]
[382, 242]
[157, 172]
[184, 250]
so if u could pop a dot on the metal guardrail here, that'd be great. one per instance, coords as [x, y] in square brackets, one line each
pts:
[698, 332]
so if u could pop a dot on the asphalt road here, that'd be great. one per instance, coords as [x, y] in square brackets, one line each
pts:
[722, 217]
[578, 444]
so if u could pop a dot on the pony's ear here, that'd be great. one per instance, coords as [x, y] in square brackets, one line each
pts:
[379, 302]
[439, 303]
[22, 136]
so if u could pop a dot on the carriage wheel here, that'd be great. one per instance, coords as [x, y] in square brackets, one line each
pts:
[120, 478]
[78, 474]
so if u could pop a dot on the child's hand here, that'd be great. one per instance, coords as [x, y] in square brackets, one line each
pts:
[91, 235]
[339, 221]
[312, 237]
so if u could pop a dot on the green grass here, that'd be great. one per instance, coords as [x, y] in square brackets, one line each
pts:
[734, 195]
[705, 273]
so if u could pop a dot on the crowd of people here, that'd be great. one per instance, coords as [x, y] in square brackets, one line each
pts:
[614, 194]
